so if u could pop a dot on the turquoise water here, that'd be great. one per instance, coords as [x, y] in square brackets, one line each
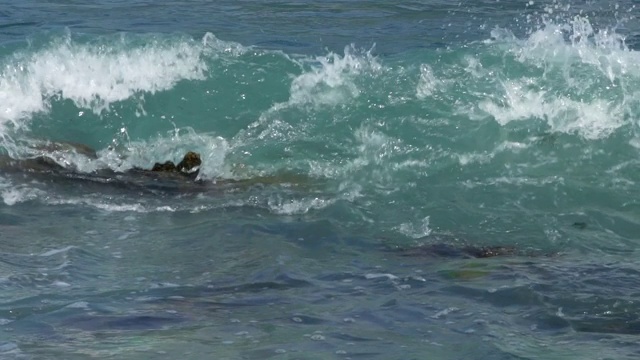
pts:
[341, 141]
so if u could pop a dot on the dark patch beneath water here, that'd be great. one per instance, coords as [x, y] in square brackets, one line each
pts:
[125, 322]
[627, 326]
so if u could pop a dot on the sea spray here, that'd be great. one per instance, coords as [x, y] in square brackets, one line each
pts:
[584, 83]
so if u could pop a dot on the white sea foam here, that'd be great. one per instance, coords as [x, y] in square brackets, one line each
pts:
[19, 194]
[416, 230]
[635, 142]
[372, 276]
[78, 305]
[279, 205]
[485, 157]
[24, 193]
[593, 119]
[585, 84]
[59, 283]
[331, 78]
[515, 181]
[95, 75]
[57, 251]
[428, 83]
[110, 206]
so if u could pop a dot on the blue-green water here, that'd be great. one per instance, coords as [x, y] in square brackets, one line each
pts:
[332, 133]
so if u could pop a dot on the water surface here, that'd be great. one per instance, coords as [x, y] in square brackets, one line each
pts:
[341, 141]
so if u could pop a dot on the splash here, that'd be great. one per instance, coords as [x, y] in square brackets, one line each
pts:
[428, 83]
[170, 146]
[331, 80]
[577, 79]
[591, 120]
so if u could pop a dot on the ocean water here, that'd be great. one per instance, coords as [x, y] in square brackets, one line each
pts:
[343, 144]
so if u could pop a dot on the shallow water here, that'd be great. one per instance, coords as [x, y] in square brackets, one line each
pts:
[340, 142]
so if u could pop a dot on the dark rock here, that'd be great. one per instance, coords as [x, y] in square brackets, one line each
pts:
[190, 162]
[168, 166]
[190, 165]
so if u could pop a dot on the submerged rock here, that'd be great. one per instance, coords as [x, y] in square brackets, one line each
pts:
[47, 160]
[451, 251]
[123, 322]
[161, 178]
[65, 147]
[580, 225]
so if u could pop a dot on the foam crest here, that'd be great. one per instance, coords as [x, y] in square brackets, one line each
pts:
[595, 119]
[584, 79]
[95, 75]
[578, 42]
[331, 78]
[214, 46]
